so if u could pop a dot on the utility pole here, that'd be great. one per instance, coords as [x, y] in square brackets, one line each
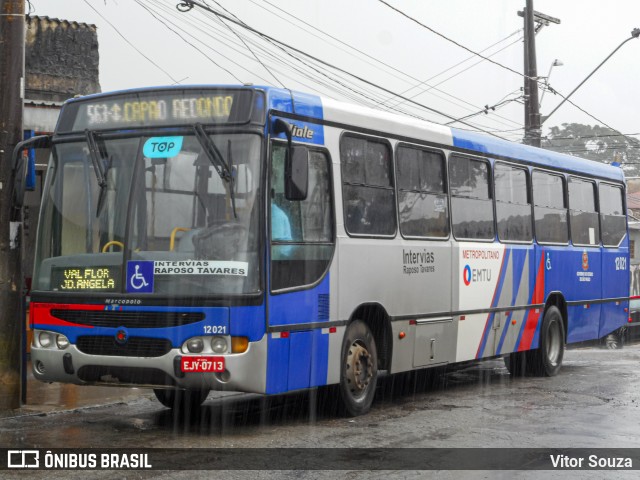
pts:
[533, 22]
[12, 34]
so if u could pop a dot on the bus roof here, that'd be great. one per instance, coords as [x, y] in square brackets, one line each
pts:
[313, 106]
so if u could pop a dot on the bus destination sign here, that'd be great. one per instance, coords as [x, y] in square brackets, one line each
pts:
[160, 108]
[85, 279]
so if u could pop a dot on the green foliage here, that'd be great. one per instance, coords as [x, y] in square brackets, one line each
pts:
[597, 143]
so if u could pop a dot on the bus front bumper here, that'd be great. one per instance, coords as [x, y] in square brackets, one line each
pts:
[245, 372]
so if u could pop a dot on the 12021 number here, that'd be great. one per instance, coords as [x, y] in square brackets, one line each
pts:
[621, 263]
[215, 329]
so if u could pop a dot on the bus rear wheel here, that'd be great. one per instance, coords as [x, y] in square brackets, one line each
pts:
[181, 400]
[359, 369]
[547, 360]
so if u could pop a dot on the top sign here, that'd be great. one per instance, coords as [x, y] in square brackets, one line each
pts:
[157, 108]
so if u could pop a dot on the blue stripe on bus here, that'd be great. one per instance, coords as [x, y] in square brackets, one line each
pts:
[518, 260]
[492, 145]
[214, 316]
[303, 104]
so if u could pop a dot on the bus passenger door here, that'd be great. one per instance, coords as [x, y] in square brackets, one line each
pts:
[302, 243]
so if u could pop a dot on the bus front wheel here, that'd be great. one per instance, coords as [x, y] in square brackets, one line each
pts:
[181, 400]
[359, 369]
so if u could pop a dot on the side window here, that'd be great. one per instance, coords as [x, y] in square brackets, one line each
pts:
[422, 197]
[550, 210]
[301, 231]
[367, 186]
[612, 217]
[471, 205]
[513, 206]
[585, 228]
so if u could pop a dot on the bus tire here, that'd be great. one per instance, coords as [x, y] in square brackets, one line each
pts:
[181, 400]
[516, 363]
[546, 360]
[358, 369]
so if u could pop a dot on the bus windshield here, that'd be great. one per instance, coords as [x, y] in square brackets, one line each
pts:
[152, 215]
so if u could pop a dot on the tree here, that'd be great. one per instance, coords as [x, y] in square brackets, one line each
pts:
[597, 143]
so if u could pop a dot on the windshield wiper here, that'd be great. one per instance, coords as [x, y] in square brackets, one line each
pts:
[221, 166]
[100, 166]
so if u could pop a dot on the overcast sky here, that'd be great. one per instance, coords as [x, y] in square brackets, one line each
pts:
[370, 40]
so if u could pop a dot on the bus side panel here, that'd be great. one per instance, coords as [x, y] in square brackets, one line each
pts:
[579, 278]
[277, 363]
[304, 306]
[247, 322]
[297, 361]
[320, 357]
[300, 354]
[575, 272]
[615, 284]
[300, 360]
[478, 284]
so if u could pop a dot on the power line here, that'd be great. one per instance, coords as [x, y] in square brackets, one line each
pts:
[186, 5]
[131, 44]
[595, 136]
[277, 59]
[370, 100]
[245, 44]
[188, 42]
[487, 108]
[465, 69]
[487, 59]
[402, 76]
[456, 43]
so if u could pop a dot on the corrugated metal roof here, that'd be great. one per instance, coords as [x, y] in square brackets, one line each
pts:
[633, 201]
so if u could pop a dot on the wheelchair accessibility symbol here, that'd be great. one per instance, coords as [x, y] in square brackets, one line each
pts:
[139, 277]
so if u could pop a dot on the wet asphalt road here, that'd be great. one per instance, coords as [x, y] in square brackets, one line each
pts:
[593, 402]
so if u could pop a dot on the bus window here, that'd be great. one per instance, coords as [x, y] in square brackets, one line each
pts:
[422, 197]
[585, 228]
[513, 207]
[550, 211]
[471, 206]
[368, 196]
[612, 215]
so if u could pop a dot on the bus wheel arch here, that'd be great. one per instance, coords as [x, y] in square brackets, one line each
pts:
[377, 320]
[557, 299]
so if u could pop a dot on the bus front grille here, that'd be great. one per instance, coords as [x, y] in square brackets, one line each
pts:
[134, 347]
[115, 318]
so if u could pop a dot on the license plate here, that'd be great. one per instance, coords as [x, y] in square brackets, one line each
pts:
[202, 364]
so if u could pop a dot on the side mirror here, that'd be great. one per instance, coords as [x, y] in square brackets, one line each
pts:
[296, 174]
[296, 165]
[19, 169]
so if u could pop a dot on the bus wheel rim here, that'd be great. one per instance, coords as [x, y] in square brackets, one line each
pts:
[359, 368]
[553, 345]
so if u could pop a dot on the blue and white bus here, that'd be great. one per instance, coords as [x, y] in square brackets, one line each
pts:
[262, 240]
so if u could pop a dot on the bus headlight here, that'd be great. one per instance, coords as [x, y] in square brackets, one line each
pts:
[218, 345]
[62, 342]
[195, 345]
[45, 339]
